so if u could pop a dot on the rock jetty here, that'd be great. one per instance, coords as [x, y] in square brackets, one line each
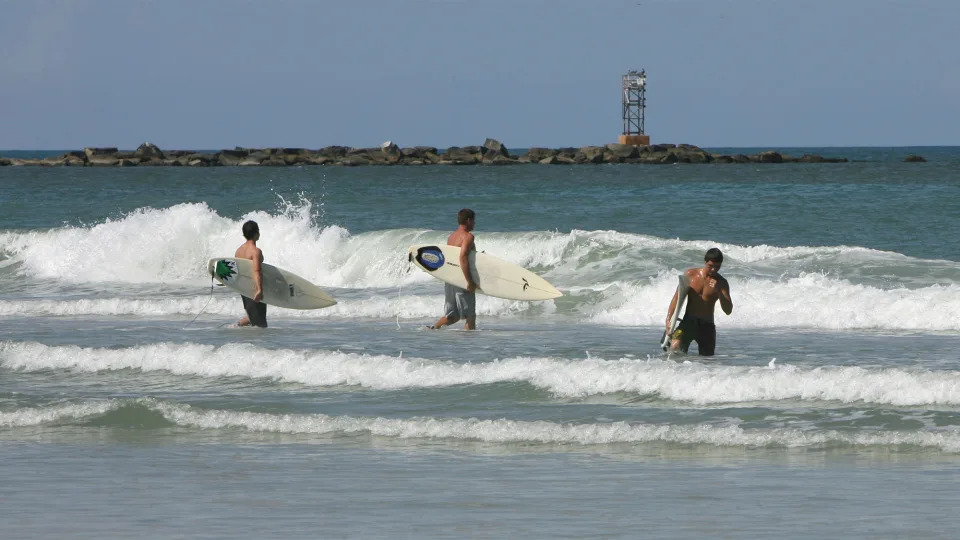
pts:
[492, 152]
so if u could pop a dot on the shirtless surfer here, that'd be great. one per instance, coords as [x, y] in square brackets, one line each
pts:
[256, 310]
[706, 287]
[461, 303]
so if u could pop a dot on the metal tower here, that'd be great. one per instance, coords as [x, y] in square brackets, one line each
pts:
[634, 104]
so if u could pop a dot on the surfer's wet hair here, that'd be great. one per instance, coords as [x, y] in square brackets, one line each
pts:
[713, 254]
[251, 230]
[465, 215]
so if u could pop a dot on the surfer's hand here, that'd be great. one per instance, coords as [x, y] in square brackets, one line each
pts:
[471, 286]
[258, 297]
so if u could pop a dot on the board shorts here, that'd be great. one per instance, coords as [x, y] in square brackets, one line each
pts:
[256, 312]
[459, 303]
[698, 329]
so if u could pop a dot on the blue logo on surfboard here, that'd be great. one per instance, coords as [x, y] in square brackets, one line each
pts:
[430, 257]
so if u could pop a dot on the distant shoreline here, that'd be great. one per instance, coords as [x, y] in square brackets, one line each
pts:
[492, 152]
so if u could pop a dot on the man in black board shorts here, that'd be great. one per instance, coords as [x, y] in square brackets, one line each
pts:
[706, 287]
[256, 310]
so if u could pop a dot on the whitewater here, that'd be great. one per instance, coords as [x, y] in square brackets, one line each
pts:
[608, 277]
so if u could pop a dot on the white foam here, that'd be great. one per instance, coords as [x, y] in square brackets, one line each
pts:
[500, 431]
[691, 382]
[811, 300]
[226, 304]
[516, 431]
[609, 277]
[33, 416]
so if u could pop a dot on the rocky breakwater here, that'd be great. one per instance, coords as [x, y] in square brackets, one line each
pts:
[492, 152]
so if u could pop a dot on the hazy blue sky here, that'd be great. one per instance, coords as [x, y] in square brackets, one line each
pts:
[218, 73]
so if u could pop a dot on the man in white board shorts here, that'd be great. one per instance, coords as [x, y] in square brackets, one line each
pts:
[256, 310]
[461, 303]
[706, 287]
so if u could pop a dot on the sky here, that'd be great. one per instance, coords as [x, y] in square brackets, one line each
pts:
[211, 74]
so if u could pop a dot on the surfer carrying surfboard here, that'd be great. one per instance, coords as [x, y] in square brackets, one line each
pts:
[706, 287]
[461, 303]
[256, 310]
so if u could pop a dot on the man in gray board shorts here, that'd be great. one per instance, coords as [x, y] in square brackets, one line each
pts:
[461, 303]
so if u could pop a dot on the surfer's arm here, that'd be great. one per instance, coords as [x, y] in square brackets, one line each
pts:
[465, 248]
[258, 276]
[673, 304]
[726, 303]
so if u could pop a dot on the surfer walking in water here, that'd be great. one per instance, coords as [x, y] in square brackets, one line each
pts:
[707, 286]
[461, 303]
[256, 310]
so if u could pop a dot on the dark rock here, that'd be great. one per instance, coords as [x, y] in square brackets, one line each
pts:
[769, 156]
[320, 160]
[354, 160]
[105, 151]
[418, 151]
[499, 160]
[390, 153]
[537, 154]
[334, 151]
[101, 160]
[493, 147]
[912, 158]
[589, 154]
[468, 155]
[232, 158]
[274, 161]
[148, 150]
[390, 148]
[622, 151]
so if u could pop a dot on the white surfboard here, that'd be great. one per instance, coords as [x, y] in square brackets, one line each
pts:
[493, 276]
[280, 287]
[682, 289]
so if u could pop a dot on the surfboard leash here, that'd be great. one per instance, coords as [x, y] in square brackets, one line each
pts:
[204, 305]
[399, 289]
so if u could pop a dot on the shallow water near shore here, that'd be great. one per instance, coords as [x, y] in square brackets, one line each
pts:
[832, 408]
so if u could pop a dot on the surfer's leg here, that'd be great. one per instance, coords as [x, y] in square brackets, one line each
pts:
[246, 320]
[451, 311]
[256, 313]
[467, 306]
[706, 339]
[684, 334]
[444, 321]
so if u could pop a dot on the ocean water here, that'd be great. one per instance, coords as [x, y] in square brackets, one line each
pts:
[130, 405]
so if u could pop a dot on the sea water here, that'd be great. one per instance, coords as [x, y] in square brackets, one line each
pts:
[131, 406]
